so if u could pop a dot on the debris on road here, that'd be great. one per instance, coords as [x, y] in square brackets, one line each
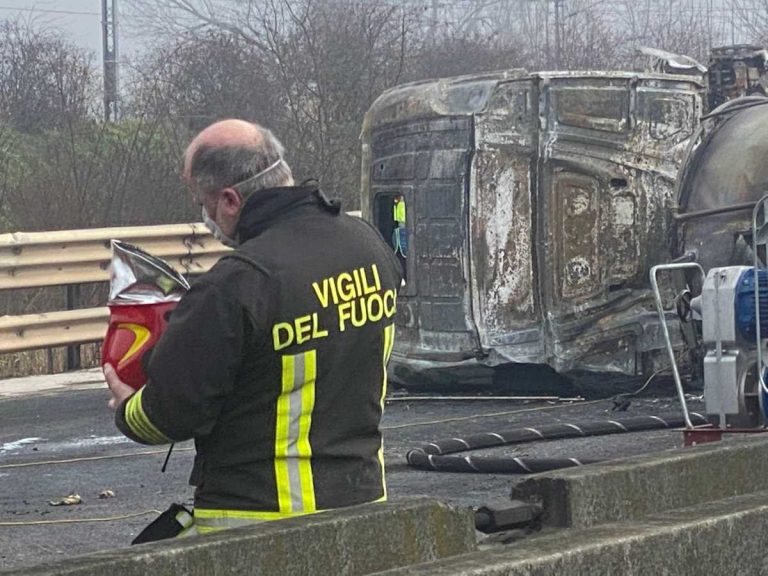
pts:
[70, 500]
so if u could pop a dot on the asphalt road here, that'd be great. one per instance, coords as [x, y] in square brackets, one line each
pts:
[56, 444]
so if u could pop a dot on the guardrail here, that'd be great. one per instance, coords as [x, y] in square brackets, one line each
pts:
[42, 259]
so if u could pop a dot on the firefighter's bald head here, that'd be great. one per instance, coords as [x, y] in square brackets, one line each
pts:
[229, 152]
[224, 134]
[227, 162]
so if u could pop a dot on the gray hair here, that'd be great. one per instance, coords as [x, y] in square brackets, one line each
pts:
[249, 168]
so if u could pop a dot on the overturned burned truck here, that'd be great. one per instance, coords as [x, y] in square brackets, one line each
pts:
[527, 210]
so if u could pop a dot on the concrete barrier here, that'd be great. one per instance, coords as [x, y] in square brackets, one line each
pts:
[724, 537]
[353, 541]
[633, 488]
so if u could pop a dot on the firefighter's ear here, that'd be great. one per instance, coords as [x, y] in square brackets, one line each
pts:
[230, 202]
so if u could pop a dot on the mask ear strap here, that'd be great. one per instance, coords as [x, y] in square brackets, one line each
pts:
[255, 177]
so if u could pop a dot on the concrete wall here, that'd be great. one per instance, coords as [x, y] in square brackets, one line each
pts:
[725, 537]
[353, 541]
[632, 488]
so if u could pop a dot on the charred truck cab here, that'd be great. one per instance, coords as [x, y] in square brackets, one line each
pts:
[526, 210]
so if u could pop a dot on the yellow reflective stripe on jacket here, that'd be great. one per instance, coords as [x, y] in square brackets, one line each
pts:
[203, 525]
[389, 340]
[211, 518]
[293, 453]
[139, 422]
[208, 520]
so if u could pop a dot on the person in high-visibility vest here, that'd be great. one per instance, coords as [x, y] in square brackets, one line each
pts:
[400, 233]
[275, 360]
[398, 210]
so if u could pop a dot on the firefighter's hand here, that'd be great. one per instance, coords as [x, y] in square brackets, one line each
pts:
[119, 389]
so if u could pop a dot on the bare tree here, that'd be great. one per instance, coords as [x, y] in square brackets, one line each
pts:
[316, 67]
[751, 17]
[60, 165]
[45, 80]
[677, 26]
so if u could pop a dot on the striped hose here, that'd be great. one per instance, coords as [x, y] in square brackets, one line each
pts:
[434, 456]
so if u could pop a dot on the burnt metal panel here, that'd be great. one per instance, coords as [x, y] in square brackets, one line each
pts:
[736, 71]
[601, 108]
[577, 211]
[456, 97]
[502, 222]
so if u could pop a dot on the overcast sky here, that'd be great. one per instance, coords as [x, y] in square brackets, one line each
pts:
[78, 20]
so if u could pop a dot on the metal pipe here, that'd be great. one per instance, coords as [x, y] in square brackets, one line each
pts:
[719, 353]
[756, 269]
[665, 329]
[713, 211]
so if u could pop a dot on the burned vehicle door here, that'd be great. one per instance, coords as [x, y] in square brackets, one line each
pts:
[422, 158]
[609, 151]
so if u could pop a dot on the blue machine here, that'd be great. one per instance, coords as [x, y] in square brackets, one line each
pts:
[745, 303]
[727, 307]
[746, 316]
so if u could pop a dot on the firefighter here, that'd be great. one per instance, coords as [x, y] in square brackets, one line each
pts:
[275, 360]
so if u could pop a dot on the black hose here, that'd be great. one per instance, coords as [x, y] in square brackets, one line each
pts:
[433, 456]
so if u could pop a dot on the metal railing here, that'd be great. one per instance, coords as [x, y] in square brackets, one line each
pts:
[72, 257]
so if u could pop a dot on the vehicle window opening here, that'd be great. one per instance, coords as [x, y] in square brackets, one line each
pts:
[390, 216]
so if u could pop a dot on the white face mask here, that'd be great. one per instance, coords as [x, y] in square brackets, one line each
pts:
[217, 232]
